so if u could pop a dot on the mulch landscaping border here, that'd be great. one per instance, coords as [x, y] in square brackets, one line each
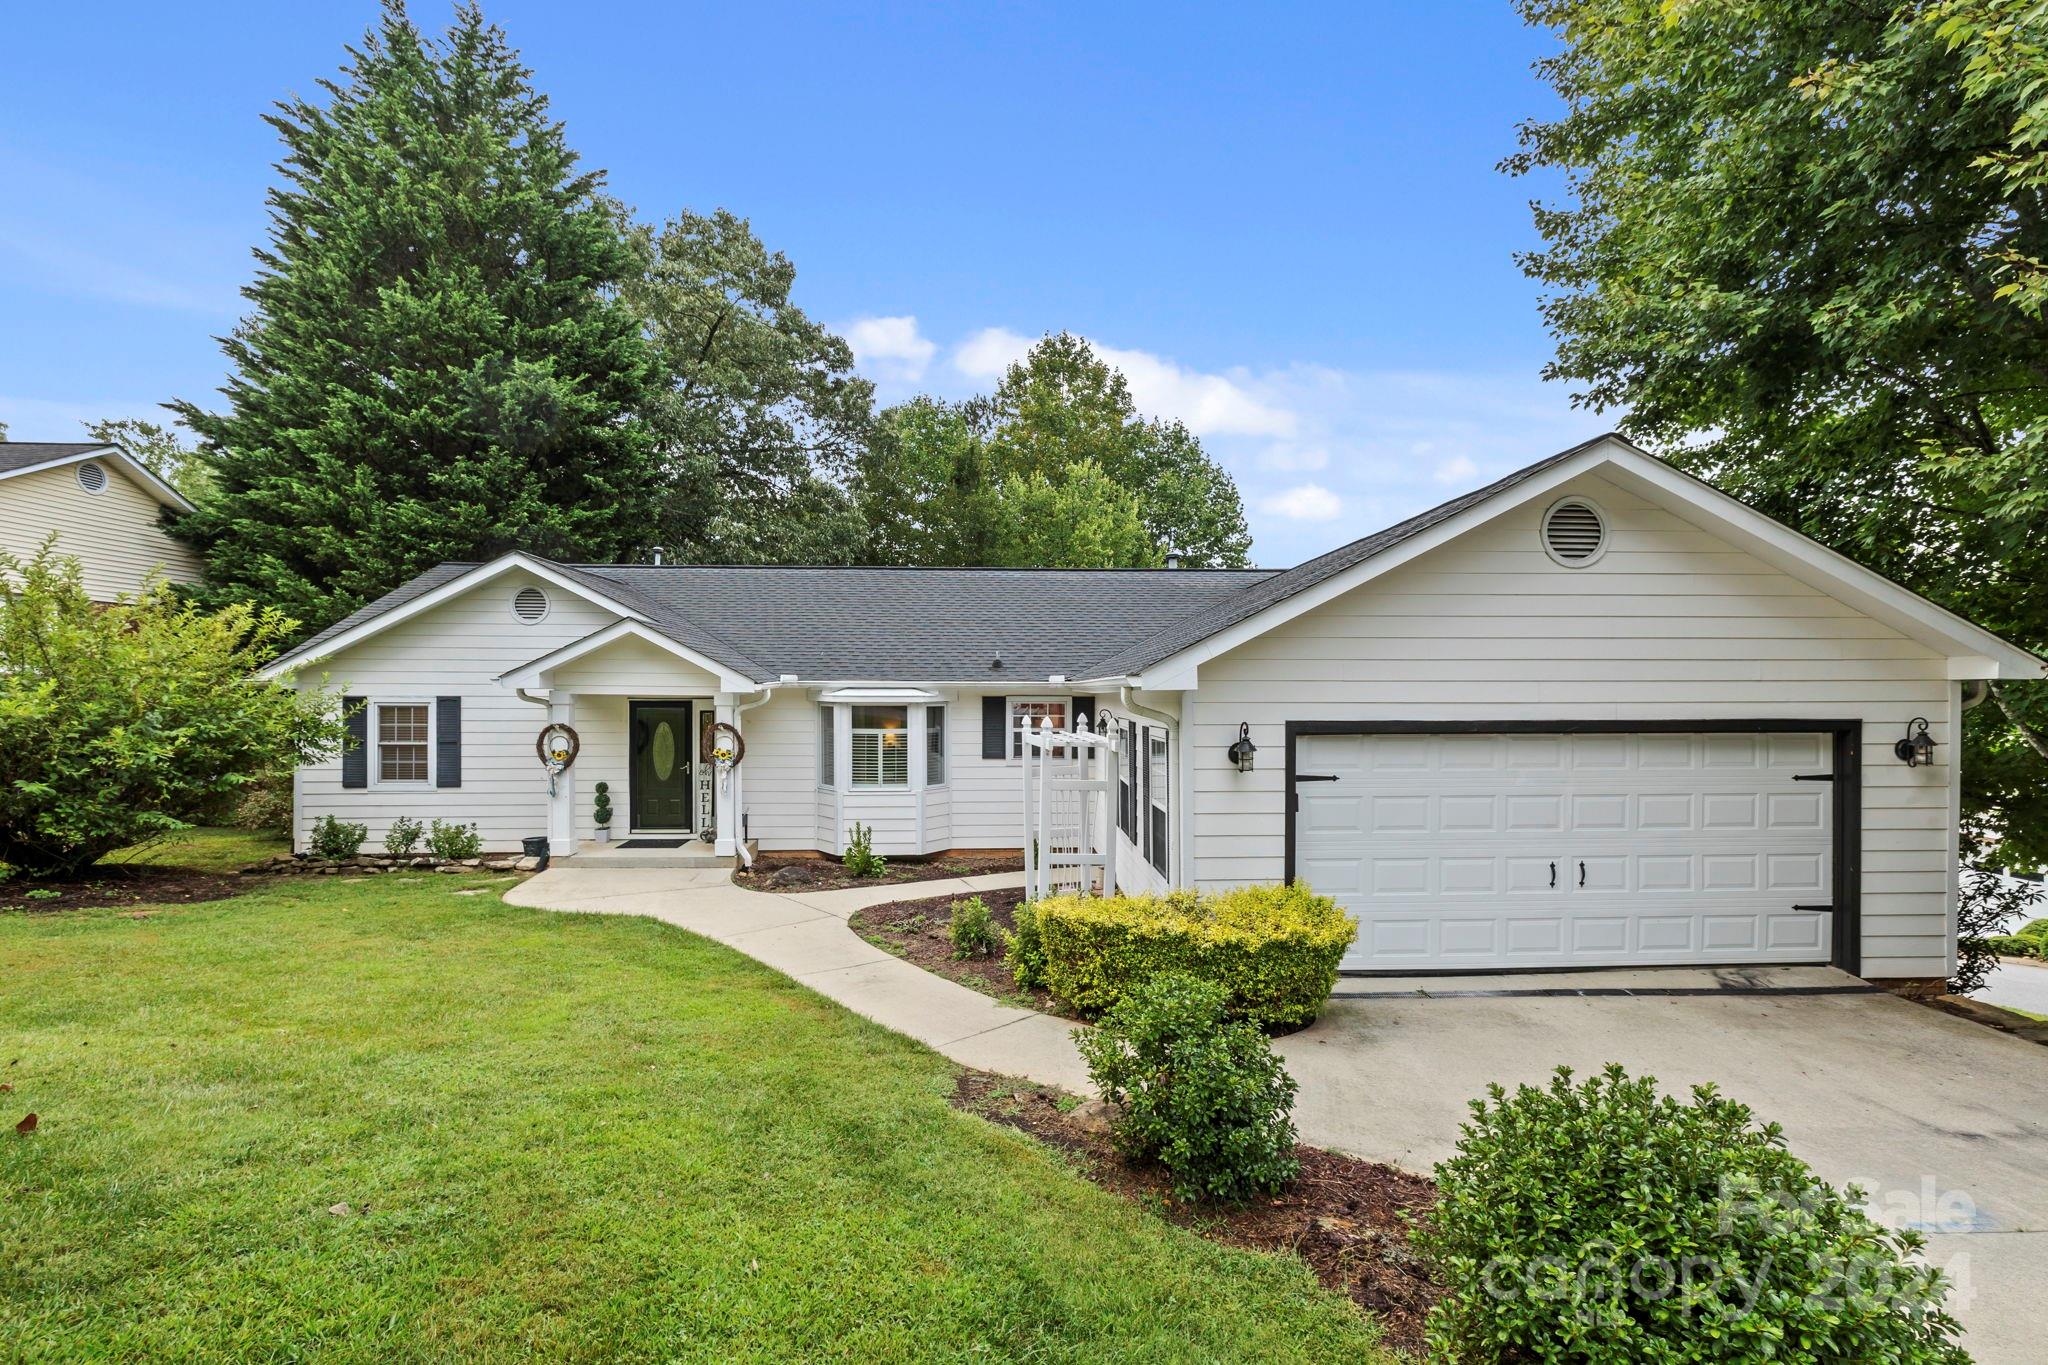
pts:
[119, 885]
[794, 875]
[917, 932]
[1346, 1218]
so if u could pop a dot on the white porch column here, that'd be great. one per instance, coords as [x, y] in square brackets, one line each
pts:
[725, 795]
[562, 806]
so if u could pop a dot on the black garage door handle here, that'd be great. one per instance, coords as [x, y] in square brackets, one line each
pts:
[1582, 872]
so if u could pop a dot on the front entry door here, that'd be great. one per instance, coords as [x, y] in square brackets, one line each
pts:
[661, 765]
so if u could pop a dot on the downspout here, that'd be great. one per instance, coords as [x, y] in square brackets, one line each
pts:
[1976, 691]
[739, 841]
[527, 696]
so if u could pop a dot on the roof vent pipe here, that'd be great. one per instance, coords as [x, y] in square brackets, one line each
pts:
[1173, 559]
[655, 554]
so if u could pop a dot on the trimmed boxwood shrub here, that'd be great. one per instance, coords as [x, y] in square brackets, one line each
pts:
[1275, 949]
[2015, 945]
[1605, 1222]
[1194, 1089]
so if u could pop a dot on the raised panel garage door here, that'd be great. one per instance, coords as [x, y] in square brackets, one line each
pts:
[1501, 851]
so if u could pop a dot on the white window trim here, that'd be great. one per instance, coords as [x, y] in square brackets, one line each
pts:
[1016, 731]
[376, 765]
[1160, 797]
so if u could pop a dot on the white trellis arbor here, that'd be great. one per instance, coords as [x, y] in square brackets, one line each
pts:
[1069, 808]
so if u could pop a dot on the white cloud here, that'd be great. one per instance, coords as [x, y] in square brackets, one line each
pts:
[891, 349]
[986, 354]
[1457, 469]
[1210, 404]
[1303, 502]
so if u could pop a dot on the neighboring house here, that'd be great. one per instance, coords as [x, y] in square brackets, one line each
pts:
[105, 507]
[1595, 714]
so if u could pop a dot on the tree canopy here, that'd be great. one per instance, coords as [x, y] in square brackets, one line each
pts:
[946, 483]
[1803, 251]
[755, 408]
[435, 366]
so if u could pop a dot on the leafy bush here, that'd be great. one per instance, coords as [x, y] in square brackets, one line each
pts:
[974, 930]
[1025, 956]
[1196, 1090]
[1274, 948]
[403, 836]
[265, 804]
[124, 722]
[1604, 1222]
[601, 807]
[453, 840]
[2014, 945]
[860, 858]
[2034, 929]
[336, 839]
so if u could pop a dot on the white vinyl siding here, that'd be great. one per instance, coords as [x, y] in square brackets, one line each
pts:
[1671, 624]
[459, 649]
[115, 534]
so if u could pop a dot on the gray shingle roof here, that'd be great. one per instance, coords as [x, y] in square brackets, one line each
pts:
[21, 454]
[948, 625]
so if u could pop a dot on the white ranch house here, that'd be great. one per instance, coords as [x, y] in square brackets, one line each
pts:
[1595, 714]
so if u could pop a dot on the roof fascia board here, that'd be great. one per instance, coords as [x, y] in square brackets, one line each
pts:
[1181, 671]
[1970, 648]
[534, 673]
[453, 588]
[135, 469]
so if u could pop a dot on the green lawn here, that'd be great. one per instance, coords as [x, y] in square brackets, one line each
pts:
[569, 1136]
[208, 849]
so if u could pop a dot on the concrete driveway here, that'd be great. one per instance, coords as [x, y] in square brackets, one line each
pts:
[1940, 1119]
[1943, 1121]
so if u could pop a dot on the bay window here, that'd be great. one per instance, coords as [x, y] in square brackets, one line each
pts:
[881, 747]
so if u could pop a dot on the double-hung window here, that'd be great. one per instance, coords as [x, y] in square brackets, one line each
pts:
[827, 745]
[1032, 711]
[935, 746]
[1127, 780]
[1158, 800]
[403, 733]
[881, 747]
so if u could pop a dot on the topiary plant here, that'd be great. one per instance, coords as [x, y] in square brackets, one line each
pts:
[601, 806]
[1198, 1091]
[1604, 1222]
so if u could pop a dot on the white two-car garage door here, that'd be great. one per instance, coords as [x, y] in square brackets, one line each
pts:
[1502, 851]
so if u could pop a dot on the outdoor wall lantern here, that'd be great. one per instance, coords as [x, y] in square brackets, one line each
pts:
[1241, 752]
[1916, 750]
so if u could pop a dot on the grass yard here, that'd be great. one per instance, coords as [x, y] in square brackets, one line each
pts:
[570, 1136]
[206, 849]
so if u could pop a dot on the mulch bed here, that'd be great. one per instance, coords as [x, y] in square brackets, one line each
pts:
[917, 932]
[781, 872]
[139, 884]
[1343, 1216]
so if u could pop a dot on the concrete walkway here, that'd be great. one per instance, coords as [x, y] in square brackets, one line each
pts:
[806, 937]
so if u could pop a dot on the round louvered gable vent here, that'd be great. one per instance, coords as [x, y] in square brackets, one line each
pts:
[92, 478]
[1574, 533]
[530, 605]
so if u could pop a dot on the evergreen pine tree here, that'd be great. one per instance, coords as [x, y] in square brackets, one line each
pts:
[436, 366]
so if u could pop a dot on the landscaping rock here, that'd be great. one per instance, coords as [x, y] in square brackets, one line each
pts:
[450, 867]
[500, 864]
[527, 865]
[1093, 1116]
[796, 874]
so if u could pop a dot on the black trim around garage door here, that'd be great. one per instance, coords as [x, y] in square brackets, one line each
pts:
[1847, 782]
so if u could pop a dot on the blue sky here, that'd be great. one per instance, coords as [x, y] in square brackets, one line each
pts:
[1285, 225]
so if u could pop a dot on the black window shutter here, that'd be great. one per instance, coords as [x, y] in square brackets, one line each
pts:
[1143, 749]
[447, 741]
[355, 749]
[995, 727]
[1081, 713]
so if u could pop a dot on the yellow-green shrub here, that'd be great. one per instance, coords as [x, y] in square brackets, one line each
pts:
[1274, 948]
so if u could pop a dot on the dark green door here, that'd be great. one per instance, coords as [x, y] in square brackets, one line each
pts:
[661, 765]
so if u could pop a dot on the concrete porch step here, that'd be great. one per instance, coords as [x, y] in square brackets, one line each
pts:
[694, 853]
